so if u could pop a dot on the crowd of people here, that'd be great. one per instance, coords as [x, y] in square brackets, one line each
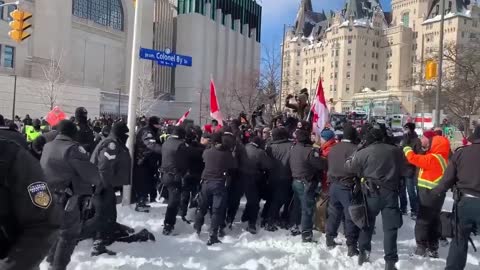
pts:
[64, 180]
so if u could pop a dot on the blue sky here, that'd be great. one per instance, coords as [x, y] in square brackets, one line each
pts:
[276, 13]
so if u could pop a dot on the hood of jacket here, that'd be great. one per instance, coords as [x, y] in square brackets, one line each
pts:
[440, 146]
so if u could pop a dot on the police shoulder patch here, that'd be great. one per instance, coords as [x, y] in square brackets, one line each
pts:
[112, 146]
[40, 194]
[82, 150]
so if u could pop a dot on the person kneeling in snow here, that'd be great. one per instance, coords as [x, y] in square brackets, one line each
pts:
[113, 162]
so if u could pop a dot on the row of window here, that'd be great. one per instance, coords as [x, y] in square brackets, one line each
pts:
[5, 12]
[104, 12]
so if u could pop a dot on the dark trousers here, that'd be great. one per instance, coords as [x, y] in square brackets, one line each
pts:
[384, 202]
[468, 210]
[173, 183]
[235, 192]
[278, 192]
[252, 193]
[409, 185]
[427, 230]
[213, 195]
[70, 231]
[145, 182]
[340, 199]
[305, 193]
[189, 191]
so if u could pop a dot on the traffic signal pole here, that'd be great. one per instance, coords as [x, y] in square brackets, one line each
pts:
[440, 65]
[132, 98]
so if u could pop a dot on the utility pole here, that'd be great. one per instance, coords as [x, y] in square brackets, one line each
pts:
[119, 100]
[440, 64]
[132, 98]
[14, 95]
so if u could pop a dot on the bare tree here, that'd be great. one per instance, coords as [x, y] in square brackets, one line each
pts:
[146, 91]
[54, 81]
[271, 79]
[460, 90]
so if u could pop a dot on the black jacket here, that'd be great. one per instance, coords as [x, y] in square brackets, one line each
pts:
[379, 163]
[85, 137]
[336, 164]
[13, 135]
[218, 163]
[305, 162]
[66, 164]
[175, 156]
[113, 162]
[147, 147]
[26, 208]
[257, 159]
[463, 170]
[412, 140]
[279, 152]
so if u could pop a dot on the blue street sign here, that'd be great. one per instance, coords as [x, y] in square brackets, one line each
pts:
[166, 58]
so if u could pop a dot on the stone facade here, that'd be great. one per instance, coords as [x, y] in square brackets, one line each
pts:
[366, 56]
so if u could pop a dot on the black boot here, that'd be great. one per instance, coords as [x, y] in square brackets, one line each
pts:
[99, 249]
[352, 251]
[307, 237]
[390, 266]
[420, 251]
[363, 257]
[142, 206]
[432, 253]
[295, 231]
[252, 229]
[221, 233]
[331, 243]
[167, 229]
[213, 240]
[270, 227]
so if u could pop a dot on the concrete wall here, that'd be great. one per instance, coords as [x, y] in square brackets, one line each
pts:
[218, 51]
[29, 98]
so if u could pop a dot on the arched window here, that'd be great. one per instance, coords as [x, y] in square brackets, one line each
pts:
[105, 12]
[406, 19]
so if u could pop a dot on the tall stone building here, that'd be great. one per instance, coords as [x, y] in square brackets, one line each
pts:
[367, 57]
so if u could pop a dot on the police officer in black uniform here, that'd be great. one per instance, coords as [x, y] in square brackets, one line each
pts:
[305, 164]
[26, 229]
[191, 181]
[259, 163]
[147, 155]
[84, 136]
[175, 155]
[342, 182]
[463, 173]
[12, 134]
[113, 161]
[73, 178]
[380, 165]
[219, 163]
[280, 181]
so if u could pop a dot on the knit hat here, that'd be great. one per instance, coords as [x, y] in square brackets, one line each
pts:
[67, 128]
[410, 126]
[429, 134]
[476, 135]
[327, 134]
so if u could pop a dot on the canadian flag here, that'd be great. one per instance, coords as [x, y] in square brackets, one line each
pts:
[214, 106]
[319, 109]
[185, 115]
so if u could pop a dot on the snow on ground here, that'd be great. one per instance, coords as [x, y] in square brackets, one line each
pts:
[241, 250]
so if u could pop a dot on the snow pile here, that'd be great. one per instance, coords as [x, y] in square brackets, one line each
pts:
[241, 250]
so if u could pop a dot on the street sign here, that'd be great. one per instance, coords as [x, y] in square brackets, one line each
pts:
[166, 58]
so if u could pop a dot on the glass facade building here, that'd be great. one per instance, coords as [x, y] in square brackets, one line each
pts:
[247, 11]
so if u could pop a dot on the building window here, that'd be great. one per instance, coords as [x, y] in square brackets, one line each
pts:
[348, 75]
[349, 51]
[336, 64]
[376, 66]
[336, 75]
[349, 41]
[104, 12]
[406, 19]
[331, 88]
[349, 63]
[376, 78]
[371, 77]
[9, 57]
[347, 88]
[389, 76]
[336, 52]
[373, 66]
[463, 34]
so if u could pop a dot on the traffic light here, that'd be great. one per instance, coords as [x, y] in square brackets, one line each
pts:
[19, 24]
[431, 69]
